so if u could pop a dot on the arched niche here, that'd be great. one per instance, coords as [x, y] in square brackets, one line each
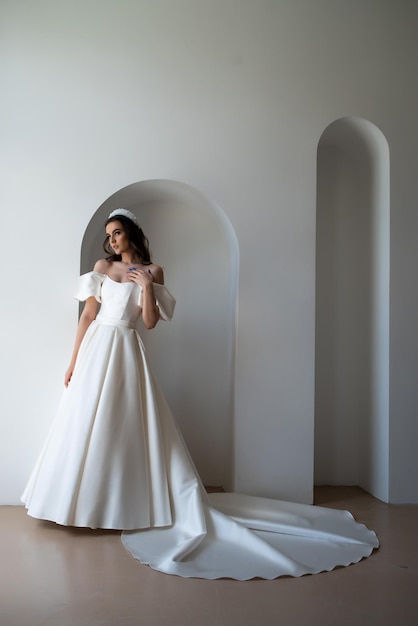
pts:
[352, 307]
[193, 355]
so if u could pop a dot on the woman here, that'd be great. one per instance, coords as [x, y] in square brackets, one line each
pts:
[115, 458]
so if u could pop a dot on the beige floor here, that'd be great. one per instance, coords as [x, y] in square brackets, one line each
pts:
[52, 576]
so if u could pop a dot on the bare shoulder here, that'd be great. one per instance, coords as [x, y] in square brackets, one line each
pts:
[157, 273]
[102, 266]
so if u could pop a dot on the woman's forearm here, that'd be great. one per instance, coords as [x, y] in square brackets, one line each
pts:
[86, 318]
[150, 310]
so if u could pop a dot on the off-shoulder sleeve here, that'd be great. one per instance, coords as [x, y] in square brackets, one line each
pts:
[89, 284]
[165, 301]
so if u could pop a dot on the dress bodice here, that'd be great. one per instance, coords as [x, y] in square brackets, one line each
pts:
[121, 302]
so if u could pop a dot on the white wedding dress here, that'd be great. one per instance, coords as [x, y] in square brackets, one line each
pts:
[115, 459]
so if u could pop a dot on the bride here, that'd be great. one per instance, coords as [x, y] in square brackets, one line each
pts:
[115, 458]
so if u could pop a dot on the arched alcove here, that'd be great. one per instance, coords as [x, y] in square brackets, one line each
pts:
[193, 355]
[352, 307]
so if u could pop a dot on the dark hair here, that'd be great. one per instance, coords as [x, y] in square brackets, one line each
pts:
[137, 240]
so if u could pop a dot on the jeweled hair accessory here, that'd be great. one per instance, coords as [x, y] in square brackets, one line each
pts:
[125, 213]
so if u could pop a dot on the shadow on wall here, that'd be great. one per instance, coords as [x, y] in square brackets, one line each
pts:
[352, 307]
[193, 355]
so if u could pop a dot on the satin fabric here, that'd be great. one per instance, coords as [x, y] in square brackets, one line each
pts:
[115, 458]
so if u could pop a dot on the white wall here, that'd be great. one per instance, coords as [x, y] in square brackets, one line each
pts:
[230, 98]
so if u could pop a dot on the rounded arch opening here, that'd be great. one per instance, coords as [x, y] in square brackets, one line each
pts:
[193, 356]
[352, 307]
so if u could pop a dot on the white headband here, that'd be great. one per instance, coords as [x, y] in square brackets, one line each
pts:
[125, 213]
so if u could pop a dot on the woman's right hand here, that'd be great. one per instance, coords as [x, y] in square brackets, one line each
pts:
[68, 375]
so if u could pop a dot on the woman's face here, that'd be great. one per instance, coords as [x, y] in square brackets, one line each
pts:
[117, 237]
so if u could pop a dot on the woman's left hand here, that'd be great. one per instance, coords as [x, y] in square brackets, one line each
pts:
[141, 277]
